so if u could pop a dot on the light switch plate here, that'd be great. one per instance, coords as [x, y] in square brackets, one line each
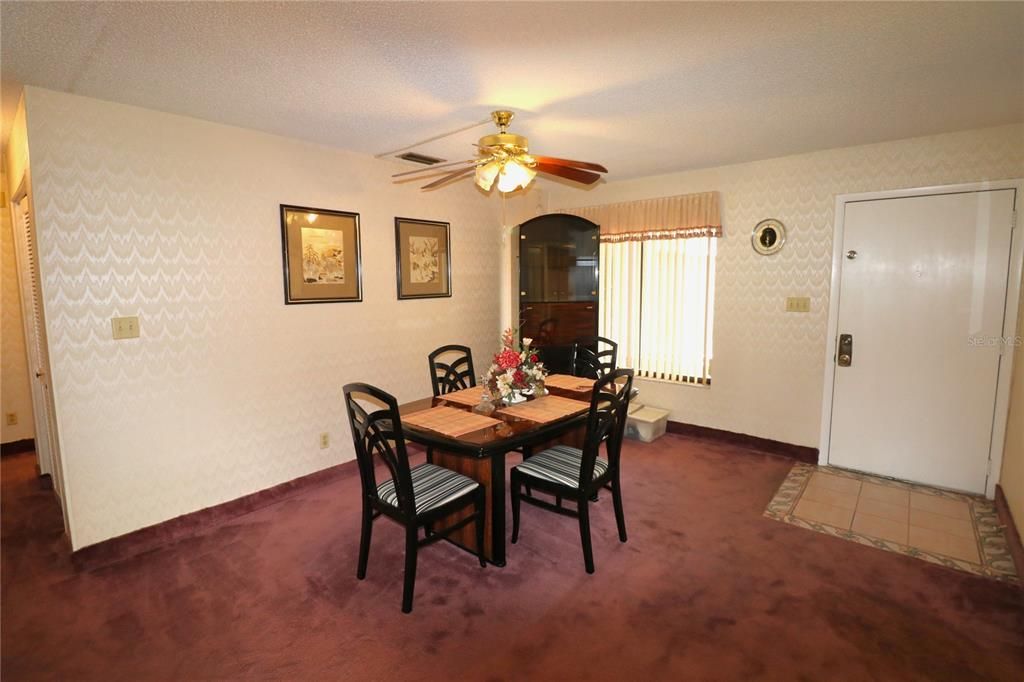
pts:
[798, 304]
[125, 327]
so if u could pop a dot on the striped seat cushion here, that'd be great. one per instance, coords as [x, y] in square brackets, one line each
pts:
[560, 464]
[432, 486]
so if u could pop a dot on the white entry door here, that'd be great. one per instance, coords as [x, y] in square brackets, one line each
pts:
[922, 298]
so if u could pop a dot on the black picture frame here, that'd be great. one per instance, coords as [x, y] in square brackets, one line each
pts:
[345, 286]
[435, 236]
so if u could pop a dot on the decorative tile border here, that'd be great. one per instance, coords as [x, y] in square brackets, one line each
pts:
[992, 545]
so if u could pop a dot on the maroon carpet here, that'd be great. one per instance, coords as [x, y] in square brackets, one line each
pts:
[706, 588]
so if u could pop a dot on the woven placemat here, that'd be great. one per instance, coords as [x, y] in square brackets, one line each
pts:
[546, 409]
[449, 421]
[467, 396]
[569, 383]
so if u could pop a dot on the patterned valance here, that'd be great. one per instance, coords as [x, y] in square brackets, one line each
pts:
[679, 217]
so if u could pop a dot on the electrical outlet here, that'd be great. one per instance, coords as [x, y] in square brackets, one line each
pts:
[798, 304]
[125, 327]
[325, 440]
[12, 418]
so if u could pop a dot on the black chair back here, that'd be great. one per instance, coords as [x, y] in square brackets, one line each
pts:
[377, 434]
[593, 357]
[606, 421]
[455, 374]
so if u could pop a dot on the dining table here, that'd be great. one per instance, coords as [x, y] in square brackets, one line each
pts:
[464, 436]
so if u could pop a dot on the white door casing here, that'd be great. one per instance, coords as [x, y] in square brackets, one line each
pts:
[930, 300]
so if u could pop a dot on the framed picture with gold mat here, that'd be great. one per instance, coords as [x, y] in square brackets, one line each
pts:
[422, 258]
[322, 261]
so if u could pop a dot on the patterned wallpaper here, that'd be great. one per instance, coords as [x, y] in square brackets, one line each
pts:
[768, 364]
[227, 390]
[15, 394]
[1011, 477]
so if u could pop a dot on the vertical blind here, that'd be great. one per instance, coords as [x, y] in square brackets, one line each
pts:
[657, 283]
[657, 302]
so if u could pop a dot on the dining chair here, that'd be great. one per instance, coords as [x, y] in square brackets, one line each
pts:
[590, 360]
[454, 374]
[573, 474]
[415, 498]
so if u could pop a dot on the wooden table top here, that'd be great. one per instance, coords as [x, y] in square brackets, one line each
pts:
[511, 433]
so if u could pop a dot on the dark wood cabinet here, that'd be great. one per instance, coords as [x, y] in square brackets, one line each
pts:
[558, 284]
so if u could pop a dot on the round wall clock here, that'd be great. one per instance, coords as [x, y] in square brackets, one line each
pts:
[768, 237]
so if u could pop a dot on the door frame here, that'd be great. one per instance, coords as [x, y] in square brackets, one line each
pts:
[1013, 293]
[44, 406]
[44, 459]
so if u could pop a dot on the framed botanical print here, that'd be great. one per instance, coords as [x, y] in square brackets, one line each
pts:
[322, 262]
[423, 258]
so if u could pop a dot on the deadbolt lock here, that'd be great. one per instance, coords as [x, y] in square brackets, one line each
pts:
[845, 358]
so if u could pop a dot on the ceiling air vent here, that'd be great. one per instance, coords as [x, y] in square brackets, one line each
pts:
[420, 158]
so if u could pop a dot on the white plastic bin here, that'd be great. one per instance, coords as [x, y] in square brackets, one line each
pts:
[646, 423]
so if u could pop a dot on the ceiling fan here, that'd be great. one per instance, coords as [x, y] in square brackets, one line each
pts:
[504, 158]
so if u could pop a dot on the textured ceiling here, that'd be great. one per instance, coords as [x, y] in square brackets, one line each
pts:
[643, 88]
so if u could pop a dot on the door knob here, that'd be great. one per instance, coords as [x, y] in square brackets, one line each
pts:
[851, 255]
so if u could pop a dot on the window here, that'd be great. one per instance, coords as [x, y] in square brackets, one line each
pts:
[657, 279]
[657, 302]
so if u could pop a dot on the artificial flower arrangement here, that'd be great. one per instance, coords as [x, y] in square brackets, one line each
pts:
[514, 370]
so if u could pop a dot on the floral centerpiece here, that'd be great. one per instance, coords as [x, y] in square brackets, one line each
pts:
[516, 369]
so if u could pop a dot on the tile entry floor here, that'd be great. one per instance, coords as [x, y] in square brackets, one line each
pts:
[954, 529]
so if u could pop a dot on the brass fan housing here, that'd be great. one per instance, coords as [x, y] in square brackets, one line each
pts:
[507, 141]
[511, 143]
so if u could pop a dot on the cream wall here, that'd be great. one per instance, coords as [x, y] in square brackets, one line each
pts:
[768, 364]
[16, 160]
[227, 390]
[15, 393]
[1011, 478]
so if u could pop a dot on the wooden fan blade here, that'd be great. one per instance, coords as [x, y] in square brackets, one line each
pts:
[456, 175]
[431, 139]
[427, 169]
[575, 174]
[573, 164]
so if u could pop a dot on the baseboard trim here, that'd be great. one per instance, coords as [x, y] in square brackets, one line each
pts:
[16, 447]
[801, 453]
[152, 538]
[1012, 534]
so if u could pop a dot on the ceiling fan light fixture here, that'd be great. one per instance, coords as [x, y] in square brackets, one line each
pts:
[486, 173]
[515, 175]
[504, 158]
